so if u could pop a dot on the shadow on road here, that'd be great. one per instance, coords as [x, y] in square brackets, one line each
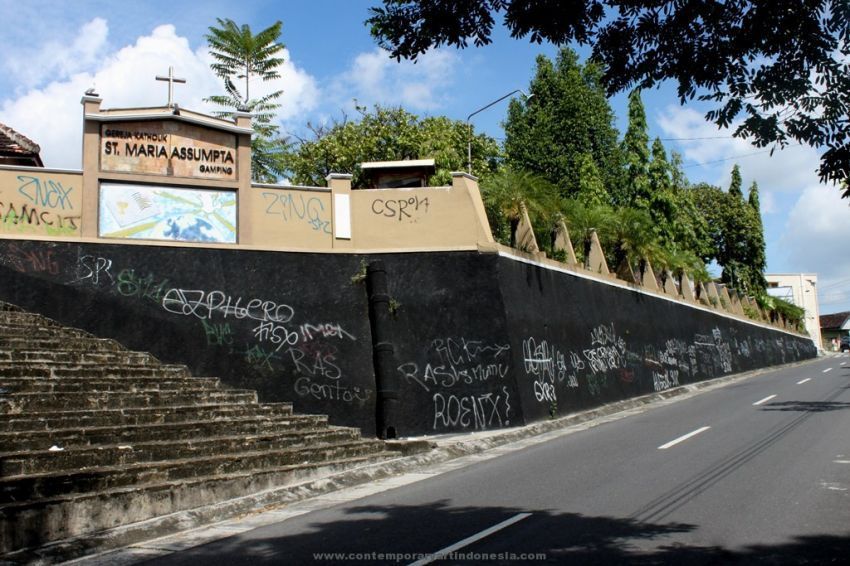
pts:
[565, 538]
[806, 406]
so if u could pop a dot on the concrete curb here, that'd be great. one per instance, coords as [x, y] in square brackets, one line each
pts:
[444, 449]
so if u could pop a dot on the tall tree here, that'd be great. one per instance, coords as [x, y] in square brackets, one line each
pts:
[757, 252]
[732, 226]
[635, 149]
[777, 70]
[735, 188]
[591, 189]
[662, 204]
[240, 55]
[387, 134]
[568, 117]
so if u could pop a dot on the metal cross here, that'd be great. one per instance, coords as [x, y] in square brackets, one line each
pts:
[171, 80]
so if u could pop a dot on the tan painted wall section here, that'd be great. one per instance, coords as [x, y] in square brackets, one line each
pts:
[40, 203]
[290, 218]
[409, 218]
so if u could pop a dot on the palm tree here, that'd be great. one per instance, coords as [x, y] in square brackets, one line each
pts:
[585, 218]
[680, 263]
[510, 191]
[635, 241]
[240, 54]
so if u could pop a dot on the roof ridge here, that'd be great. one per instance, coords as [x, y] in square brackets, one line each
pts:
[19, 139]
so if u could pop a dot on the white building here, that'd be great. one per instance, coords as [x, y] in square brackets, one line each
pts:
[801, 290]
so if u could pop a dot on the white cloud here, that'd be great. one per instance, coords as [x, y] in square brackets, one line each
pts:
[815, 239]
[791, 169]
[51, 115]
[374, 77]
[300, 95]
[57, 60]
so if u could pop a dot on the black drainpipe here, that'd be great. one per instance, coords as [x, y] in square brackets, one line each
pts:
[383, 351]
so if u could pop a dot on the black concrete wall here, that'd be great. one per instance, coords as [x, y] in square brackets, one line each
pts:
[481, 341]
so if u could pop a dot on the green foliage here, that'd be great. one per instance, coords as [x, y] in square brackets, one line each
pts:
[756, 247]
[591, 189]
[388, 134]
[567, 119]
[776, 308]
[732, 227]
[240, 54]
[509, 191]
[360, 276]
[735, 188]
[635, 149]
[634, 237]
[583, 219]
[777, 70]
[751, 312]
[681, 262]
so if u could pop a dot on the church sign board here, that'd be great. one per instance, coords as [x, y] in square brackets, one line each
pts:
[169, 148]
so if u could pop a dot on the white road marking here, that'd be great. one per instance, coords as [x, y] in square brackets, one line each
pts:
[827, 369]
[802, 381]
[842, 461]
[441, 554]
[842, 363]
[683, 438]
[765, 400]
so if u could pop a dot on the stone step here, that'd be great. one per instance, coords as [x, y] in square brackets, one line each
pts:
[29, 487]
[94, 436]
[9, 307]
[28, 331]
[17, 403]
[24, 318]
[60, 371]
[79, 385]
[60, 420]
[32, 523]
[79, 344]
[29, 462]
[131, 434]
[77, 357]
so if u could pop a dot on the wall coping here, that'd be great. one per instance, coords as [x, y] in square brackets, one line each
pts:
[291, 187]
[469, 176]
[40, 169]
[636, 289]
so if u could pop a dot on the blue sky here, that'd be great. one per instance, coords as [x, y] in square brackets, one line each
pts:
[54, 51]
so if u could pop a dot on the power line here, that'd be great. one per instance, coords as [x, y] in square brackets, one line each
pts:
[735, 157]
[702, 138]
[834, 284]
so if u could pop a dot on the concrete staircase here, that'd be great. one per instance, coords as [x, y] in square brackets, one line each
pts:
[93, 436]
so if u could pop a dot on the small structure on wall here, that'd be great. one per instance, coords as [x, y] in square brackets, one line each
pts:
[405, 174]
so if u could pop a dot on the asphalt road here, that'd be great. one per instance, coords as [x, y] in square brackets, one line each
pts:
[754, 472]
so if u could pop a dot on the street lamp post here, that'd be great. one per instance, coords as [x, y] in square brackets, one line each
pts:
[469, 124]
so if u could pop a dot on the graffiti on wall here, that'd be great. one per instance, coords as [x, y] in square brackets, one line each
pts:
[454, 364]
[39, 204]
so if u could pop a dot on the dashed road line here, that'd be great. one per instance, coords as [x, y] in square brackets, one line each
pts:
[802, 381]
[442, 553]
[762, 401]
[827, 369]
[683, 438]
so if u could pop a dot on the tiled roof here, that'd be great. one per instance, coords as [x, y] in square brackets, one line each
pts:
[18, 145]
[835, 320]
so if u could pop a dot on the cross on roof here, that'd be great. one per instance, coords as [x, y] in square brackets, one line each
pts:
[171, 80]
